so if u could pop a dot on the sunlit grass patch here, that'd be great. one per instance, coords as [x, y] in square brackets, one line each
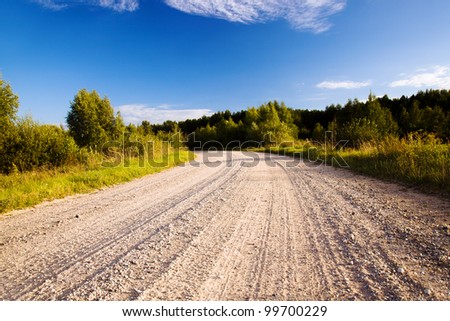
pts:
[419, 160]
[21, 190]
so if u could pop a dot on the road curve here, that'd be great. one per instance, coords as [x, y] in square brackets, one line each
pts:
[232, 227]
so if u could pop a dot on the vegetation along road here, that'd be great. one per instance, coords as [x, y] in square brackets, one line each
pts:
[232, 228]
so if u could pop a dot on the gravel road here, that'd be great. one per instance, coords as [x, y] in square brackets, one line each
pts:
[232, 228]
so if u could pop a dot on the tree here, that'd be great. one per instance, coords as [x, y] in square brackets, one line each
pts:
[380, 116]
[318, 133]
[415, 122]
[118, 127]
[146, 128]
[9, 104]
[365, 122]
[272, 123]
[359, 131]
[91, 120]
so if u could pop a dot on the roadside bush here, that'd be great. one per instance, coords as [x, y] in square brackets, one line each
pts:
[360, 131]
[35, 145]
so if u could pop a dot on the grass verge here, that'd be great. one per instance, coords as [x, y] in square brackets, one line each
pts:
[422, 162]
[21, 190]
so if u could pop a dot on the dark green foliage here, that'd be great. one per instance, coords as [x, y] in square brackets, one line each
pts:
[9, 103]
[42, 146]
[26, 145]
[318, 134]
[118, 127]
[145, 128]
[428, 112]
[357, 121]
[271, 123]
[368, 122]
[32, 146]
[91, 120]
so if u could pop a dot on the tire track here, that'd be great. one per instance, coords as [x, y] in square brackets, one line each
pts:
[263, 259]
[60, 261]
[236, 229]
[355, 235]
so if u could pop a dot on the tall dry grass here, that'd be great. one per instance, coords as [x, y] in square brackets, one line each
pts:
[420, 160]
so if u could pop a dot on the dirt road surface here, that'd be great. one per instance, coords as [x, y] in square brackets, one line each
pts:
[232, 228]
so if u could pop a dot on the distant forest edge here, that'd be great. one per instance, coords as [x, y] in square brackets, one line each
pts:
[427, 112]
[405, 139]
[94, 128]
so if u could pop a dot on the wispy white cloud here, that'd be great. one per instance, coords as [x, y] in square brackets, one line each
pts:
[120, 5]
[116, 5]
[301, 14]
[52, 4]
[343, 84]
[437, 77]
[136, 113]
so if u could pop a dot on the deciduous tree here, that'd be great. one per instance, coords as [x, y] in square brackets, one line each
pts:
[91, 120]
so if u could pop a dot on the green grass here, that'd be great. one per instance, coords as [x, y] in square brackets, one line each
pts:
[21, 190]
[419, 161]
[424, 163]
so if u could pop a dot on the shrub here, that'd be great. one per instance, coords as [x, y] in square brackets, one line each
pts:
[35, 145]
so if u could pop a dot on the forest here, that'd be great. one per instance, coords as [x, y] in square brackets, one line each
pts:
[427, 112]
[94, 128]
[405, 139]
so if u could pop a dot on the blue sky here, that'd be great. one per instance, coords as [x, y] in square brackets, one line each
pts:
[177, 59]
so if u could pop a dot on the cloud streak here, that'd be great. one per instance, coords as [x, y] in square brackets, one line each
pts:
[309, 15]
[116, 5]
[436, 77]
[52, 4]
[136, 113]
[343, 84]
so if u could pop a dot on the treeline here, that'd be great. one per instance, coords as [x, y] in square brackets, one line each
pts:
[427, 112]
[357, 121]
[94, 131]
